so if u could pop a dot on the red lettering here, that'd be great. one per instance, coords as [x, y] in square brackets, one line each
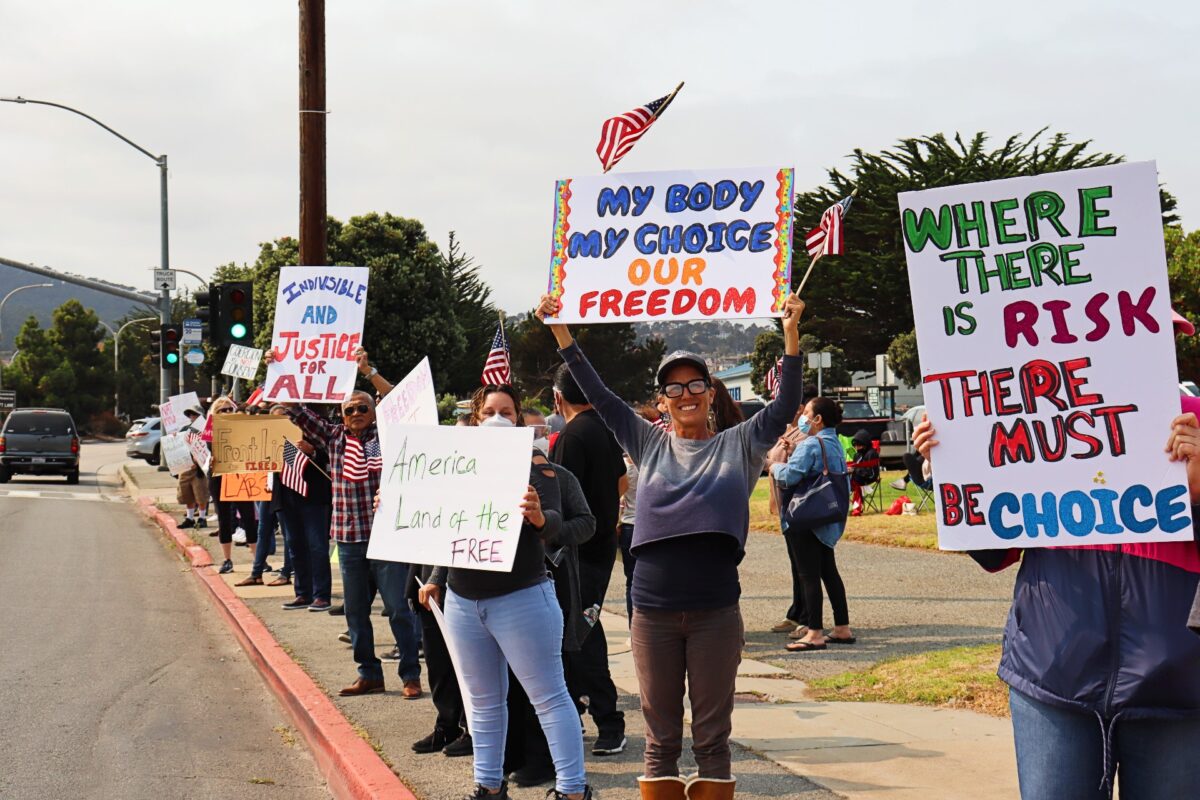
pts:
[952, 513]
[1019, 319]
[1075, 383]
[1057, 315]
[683, 302]
[741, 303]
[656, 306]
[943, 379]
[284, 389]
[1039, 378]
[1131, 312]
[1112, 421]
[1010, 446]
[633, 302]
[586, 301]
[1093, 444]
[971, 502]
[710, 301]
[1059, 451]
[610, 303]
[1092, 312]
[999, 377]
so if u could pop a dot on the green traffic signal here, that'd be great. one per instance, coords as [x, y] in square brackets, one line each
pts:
[237, 331]
[172, 358]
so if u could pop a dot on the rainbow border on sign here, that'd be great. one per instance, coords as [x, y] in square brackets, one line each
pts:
[558, 240]
[783, 238]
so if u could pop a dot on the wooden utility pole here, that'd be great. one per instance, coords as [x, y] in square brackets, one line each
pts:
[312, 133]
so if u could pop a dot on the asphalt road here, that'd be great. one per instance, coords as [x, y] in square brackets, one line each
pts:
[119, 679]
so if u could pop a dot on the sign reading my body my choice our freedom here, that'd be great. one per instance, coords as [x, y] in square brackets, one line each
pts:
[1044, 327]
[319, 315]
[712, 244]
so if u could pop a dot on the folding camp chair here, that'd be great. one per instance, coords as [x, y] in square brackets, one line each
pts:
[872, 494]
[926, 489]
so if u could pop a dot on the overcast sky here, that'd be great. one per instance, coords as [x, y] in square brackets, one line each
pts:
[462, 114]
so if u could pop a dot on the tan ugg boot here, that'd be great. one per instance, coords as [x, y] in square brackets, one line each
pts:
[711, 788]
[665, 788]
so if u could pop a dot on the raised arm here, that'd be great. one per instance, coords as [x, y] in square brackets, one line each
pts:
[770, 423]
[365, 369]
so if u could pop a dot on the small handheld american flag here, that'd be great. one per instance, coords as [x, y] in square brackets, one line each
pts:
[772, 379]
[292, 474]
[619, 134]
[361, 459]
[826, 239]
[496, 369]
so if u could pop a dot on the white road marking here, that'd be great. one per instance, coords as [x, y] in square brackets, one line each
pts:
[57, 495]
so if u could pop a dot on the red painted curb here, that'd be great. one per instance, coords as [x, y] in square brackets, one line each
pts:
[353, 770]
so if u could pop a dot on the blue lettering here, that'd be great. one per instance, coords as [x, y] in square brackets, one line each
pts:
[641, 198]
[676, 198]
[700, 198]
[641, 238]
[750, 193]
[694, 237]
[293, 292]
[717, 230]
[734, 241]
[1004, 501]
[613, 239]
[1046, 518]
[725, 194]
[1076, 501]
[1169, 511]
[584, 245]
[612, 202]
[1141, 494]
[1105, 498]
[760, 237]
[670, 239]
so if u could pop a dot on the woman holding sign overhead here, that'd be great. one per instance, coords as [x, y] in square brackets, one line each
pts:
[689, 537]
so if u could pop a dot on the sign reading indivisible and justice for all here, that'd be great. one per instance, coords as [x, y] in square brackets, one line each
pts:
[710, 244]
[319, 315]
[1043, 322]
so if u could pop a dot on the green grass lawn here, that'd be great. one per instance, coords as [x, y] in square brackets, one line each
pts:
[899, 531]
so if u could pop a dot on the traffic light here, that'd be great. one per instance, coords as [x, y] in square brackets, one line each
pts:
[155, 345]
[235, 314]
[170, 336]
[206, 312]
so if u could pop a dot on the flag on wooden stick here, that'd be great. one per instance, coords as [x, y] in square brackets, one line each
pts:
[826, 239]
[496, 369]
[771, 381]
[619, 134]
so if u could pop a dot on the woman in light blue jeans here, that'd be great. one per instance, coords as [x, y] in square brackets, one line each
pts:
[512, 619]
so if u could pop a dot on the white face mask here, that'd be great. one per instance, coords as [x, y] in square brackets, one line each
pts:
[496, 421]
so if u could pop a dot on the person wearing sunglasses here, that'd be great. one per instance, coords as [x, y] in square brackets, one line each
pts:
[690, 534]
[355, 467]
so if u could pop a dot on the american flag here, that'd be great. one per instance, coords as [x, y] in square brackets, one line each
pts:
[496, 369]
[771, 381]
[360, 460]
[826, 239]
[294, 462]
[254, 397]
[619, 134]
[664, 422]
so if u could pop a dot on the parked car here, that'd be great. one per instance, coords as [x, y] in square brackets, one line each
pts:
[142, 439]
[39, 441]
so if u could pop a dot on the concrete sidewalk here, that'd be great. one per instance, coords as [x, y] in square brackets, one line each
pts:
[786, 745]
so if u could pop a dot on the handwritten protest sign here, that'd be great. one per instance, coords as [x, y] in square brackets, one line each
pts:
[175, 452]
[239, 487]
[1044, 329]
[250, 443]
[712, 244]
[410, 402]
[199, 450]
[452, 496]
[318, 325]
[242, 362]
[171, 412]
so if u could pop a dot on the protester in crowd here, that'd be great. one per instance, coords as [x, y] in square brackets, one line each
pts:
[303, 500]
[820, 451]
[450, 735]
[629, 514]
[268, 521]
[1102, 670]
[537, 421]
[230, 515]
[587, 449]
[864, 471]
[690, 535]
[355, 465]
[512, 619]
[192, 489]
[782, 450]
[527, 754]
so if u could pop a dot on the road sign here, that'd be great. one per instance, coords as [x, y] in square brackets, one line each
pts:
[194, 356]
[164, 279]
[823, 360]
[191, 332]
[8, 400]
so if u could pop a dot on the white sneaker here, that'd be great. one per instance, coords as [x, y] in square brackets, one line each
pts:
[239, 536]
[898, 484]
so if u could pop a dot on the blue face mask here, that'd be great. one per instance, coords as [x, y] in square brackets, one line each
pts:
[804, 424]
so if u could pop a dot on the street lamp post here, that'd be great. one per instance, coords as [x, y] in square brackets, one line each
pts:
[5, 300]
[164, 300]
[117, 354]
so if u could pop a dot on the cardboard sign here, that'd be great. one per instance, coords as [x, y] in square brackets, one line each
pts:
[318, 325]
[410, 402]
[250, 442]
[242, 362]
[175, 452]
[711, 244]
[171, 412]
[1047, 354]
[240, 487]
[452, 496]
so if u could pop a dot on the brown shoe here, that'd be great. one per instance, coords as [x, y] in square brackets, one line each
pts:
[412, 690]
[253, 580]
[800, 632]
[787, 626]
[281, 582]
[362, 686]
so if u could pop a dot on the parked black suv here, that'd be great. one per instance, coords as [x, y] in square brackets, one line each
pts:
[39, 441]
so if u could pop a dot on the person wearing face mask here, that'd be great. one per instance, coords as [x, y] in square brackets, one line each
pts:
[819, 451]
[689, 537]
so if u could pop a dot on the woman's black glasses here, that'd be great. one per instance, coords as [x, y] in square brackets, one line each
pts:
[673, 390]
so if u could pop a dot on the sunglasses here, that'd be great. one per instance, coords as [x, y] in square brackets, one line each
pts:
[350, 411]
[674, 390]
[226, 410]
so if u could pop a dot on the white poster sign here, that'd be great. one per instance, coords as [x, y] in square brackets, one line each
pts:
[452, 496]
[199, 448]
[410, 402]
[452, 647]
[688, 244]
[175, 452]
[319, 315]
[173, 418]
[1043, 323]
[242, 362]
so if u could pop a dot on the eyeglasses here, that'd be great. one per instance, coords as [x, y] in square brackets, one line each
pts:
[226, 410]
[350, 411]
[673, 390]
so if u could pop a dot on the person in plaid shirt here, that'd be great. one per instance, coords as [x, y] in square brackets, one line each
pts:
[353, 512]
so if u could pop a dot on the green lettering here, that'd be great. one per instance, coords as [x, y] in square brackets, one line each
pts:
[976, 222]
[1043, 260]
[961, 256]
[918, 231]
[1000, 209]
[1089, 215]
[1044, 205]
[1069, 277]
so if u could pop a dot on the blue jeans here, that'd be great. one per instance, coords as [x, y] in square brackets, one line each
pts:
[522, 629]
[361, 577]
[306, 530]
[266, 542]
[1061, 754]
